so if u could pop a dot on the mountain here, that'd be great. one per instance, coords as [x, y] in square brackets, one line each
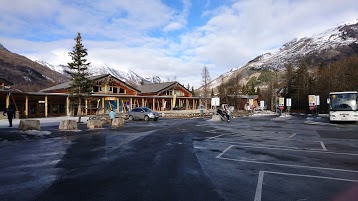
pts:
[26, 74]
[331, 45]
[129, 77]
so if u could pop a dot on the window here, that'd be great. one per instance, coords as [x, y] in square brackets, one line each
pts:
[115, 90]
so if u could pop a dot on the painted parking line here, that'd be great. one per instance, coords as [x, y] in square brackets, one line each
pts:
[292, 135]
[283, 164]
[266, 145]
[260, 180]
[301, 150]
[222, 153]
[323, 146]
[210, 138]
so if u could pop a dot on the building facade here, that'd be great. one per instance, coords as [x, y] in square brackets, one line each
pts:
[108, 93]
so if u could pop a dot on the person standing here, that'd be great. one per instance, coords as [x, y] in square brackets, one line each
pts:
[112, 115]
[10, 112]
[201, 110]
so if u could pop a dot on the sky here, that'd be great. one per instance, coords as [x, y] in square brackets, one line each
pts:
[172, 39]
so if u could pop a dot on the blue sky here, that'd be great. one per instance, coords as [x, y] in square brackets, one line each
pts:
[168, 38]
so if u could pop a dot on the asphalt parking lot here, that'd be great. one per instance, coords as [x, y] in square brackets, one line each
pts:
[258, 158]
[282, 159]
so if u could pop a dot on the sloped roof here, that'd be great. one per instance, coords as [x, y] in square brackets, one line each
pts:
[7, 82]
[156, 88]
[66, 85]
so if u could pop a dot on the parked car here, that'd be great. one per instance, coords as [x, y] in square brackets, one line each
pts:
[143, 113]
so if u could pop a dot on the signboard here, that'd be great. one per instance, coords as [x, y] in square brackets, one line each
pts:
[262, 104]
[215, 101]
[281, 108]
[317, 100]
[40, 101]
[288, 102]
[311, 107]
[311, 100]
[251, 102]
[281, 102]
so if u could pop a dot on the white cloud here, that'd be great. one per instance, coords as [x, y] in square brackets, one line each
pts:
[137, 35]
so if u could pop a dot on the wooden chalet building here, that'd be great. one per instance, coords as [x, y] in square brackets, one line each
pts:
[108, 93]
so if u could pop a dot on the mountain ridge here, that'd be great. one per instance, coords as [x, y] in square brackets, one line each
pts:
[328, 46]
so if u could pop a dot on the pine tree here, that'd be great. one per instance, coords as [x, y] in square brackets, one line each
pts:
[81, 85]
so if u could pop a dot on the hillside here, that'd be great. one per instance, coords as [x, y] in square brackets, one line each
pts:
[26, 74]
[329, 46]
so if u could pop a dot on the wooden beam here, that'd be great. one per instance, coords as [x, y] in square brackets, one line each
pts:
[13, 100]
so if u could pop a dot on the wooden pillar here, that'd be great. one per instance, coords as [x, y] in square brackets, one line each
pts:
[186, 104]
[154, 104]
[103, 109]
[193, 104]
[26, 106]
[163, 104]
[68, 106]
[46, 107]
[171, 104]
[142, 102]
[131, 104]
[86, 105]
[117, 105]
[7, 100]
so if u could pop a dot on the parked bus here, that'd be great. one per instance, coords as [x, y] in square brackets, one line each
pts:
[343, 106]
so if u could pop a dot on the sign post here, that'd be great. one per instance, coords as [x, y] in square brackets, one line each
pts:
[288, 104]
[262, 105]
[312, 103]
[281, 103]
[317, 104]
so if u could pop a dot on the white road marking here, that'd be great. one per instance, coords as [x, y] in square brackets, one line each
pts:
[267, 145]
[309, 151]
[258, 193]
[222, 153]
[215, 137]
[287, 165]
[259, 186]
[311, 176]
[292, 135]
[323, 147]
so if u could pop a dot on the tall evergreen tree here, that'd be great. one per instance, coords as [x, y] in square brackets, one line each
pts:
[81, 85]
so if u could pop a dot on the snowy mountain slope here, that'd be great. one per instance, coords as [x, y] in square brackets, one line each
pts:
[328, 46]
[129, 77]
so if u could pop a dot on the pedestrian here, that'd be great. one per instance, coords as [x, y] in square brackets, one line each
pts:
[10, 112]
[112, 116]
[201, 110]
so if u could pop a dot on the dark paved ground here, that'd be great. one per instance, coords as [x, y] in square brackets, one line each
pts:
[252, 158]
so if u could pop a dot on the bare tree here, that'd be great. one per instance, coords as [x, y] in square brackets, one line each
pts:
[205, 80]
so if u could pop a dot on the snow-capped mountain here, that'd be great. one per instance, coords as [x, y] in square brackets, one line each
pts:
[129, 77]
[330, 45]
